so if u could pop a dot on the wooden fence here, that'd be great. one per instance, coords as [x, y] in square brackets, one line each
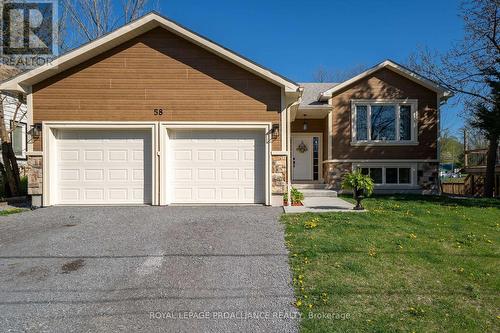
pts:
[453, 188]
[473, 185]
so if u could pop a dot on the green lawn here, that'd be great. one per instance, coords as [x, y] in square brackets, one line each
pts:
[410, 264]
[10, 211]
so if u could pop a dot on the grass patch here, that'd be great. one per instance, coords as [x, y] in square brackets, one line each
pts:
[411, 263]
[11, 211]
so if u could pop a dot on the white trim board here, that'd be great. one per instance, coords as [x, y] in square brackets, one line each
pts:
[132, 30]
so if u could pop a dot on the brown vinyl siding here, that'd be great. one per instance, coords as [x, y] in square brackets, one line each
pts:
[156, 70]
[385, 84]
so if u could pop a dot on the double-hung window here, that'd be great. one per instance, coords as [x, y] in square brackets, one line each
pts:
[384, 122]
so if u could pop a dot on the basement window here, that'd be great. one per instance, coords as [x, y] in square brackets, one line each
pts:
[389, 174]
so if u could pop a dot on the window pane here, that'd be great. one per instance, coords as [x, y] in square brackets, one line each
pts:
[391, 175]
[361, 122]
[17, 141]
[405, 122]
[365, 171]
[315, 158]
[405, 176]
[376, 175]
[383, 119]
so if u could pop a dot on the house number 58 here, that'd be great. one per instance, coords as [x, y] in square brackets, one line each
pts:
[158, 112]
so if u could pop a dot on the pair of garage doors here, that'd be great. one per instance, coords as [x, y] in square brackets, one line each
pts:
[110, 167]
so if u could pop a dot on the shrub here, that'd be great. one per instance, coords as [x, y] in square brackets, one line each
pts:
[297, 196]
[361, 186]
[24, 185]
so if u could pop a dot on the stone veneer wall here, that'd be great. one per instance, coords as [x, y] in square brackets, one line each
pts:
[427, 177]
[333, 172]
[35, 175]
[279, 174]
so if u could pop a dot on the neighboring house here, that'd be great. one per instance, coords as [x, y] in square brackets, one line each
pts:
[18, 135]
[154, 113]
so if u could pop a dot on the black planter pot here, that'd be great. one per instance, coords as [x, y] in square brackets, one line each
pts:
[358, 196]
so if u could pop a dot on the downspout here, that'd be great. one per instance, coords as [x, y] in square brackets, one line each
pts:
[289, 150]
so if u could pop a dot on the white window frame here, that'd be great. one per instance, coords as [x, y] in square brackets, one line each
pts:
[384, 166]
[24, 139]
[413, 103]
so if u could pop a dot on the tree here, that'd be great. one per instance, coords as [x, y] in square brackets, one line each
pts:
[87, 20]
[9, 168]
[322, 74]
[486, 117]
[451, 149]
[471, 68]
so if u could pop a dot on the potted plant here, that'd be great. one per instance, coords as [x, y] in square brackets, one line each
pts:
[297, 197]
[361, 186]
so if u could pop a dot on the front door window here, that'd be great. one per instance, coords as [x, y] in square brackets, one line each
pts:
[315, 158]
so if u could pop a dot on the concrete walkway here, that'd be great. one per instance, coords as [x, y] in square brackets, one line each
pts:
[321, 205]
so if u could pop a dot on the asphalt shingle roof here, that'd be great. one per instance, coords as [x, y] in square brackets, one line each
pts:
[312, 91]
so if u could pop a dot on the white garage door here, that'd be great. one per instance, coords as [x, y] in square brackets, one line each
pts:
[103, 167]
[216, 166]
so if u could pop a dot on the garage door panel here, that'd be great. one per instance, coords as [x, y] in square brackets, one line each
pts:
[216, 166]
[94, 194]
[94, 175]
[94, 155]
[104, 167]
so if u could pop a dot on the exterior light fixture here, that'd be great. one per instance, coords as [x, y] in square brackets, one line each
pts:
[275, 131]
[36, 130]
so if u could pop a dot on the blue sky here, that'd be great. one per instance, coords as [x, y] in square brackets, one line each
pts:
[294, 37]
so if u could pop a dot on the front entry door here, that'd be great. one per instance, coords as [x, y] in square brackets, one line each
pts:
[302, 157]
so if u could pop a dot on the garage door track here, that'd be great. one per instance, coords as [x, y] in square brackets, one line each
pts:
[191, 269]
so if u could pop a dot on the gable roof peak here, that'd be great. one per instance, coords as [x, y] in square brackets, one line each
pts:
[442, 92]
[131, 30]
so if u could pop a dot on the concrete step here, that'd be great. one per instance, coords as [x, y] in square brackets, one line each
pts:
[307, 186]
[308, 193]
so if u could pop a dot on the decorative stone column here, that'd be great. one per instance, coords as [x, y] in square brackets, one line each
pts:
[428, 175]
[334, 173]
[34, 171]
[278, 174]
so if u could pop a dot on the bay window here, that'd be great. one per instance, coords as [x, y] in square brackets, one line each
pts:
[384, 122]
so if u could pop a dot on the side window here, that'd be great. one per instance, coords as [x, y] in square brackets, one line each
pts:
[18, 137]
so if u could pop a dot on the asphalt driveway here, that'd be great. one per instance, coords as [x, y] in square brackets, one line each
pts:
[210, 269]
